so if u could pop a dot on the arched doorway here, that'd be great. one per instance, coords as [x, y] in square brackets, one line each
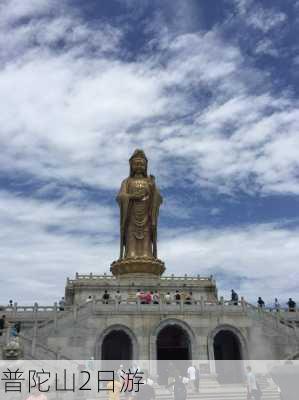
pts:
[117, 345]
[227, 355]
[173, 344]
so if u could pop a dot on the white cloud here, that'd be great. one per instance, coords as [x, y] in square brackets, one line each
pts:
[259, 17]
[74, 108]
[266, 46]
[262, 257]
[266, 19]
[77, 114]
[43, 241]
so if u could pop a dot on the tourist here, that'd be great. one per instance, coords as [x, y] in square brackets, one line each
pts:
[2, 324]
[253, 389]
[276, 305]
[106, 297]
[114, 388]
[18, 327]
[292, 305]
[13, 331]
[142, 297]
[138, 293]
[156, 297]
[179, 389]
[177, 297]
[234, 298]
[148, 297]
[197, 378]
[188, 299]
[146, 392]
[191, 372]
[117, 297]
[167, 298]
[88, 300]
[120, 371]
[260, 303]
[61, 304]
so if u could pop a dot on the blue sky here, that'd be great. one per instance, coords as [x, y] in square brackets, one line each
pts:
[209, 89]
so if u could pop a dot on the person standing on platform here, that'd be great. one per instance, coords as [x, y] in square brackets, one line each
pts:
[291, 304]
[61, 304]
[106, 297]
[167, 298]
[260, 303]
[276, 305]
[117, 297]
[234, 298]
[156, 297]
[177, 297]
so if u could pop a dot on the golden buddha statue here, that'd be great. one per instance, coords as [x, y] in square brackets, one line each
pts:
[139, 201]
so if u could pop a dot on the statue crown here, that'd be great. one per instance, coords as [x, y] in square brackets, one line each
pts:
[138, 153]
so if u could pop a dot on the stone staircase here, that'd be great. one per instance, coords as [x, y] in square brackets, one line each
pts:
[210, 389]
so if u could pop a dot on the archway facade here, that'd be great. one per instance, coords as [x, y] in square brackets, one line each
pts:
[117, 342]
[227, 347]
[174, 342]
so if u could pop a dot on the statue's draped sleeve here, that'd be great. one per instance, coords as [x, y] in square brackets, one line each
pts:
[156, 202]
[123, 200]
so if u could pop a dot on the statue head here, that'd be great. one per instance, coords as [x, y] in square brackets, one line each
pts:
[138, 163]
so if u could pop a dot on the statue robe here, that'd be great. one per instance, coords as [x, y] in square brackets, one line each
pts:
[138, 218]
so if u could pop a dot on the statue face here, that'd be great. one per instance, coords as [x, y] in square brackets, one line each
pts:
[139, 166]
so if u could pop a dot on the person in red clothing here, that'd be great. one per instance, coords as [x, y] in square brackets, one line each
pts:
[148, 297]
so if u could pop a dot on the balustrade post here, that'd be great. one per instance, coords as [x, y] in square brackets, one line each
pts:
[243, 304]
[182, 304]
[34, 337]
[55, 310]
[160, 303]
[15, 309]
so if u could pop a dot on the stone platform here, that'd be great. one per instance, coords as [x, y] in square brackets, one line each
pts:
[145, 267]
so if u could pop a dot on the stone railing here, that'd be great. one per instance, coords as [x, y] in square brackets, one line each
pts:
[44, 315]
[168, 278]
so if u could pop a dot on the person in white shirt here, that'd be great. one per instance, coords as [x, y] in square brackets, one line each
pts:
[156, 297]
[117, 297]
[191, 371]
[276, 305]
[167, 298]
[252, 387]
